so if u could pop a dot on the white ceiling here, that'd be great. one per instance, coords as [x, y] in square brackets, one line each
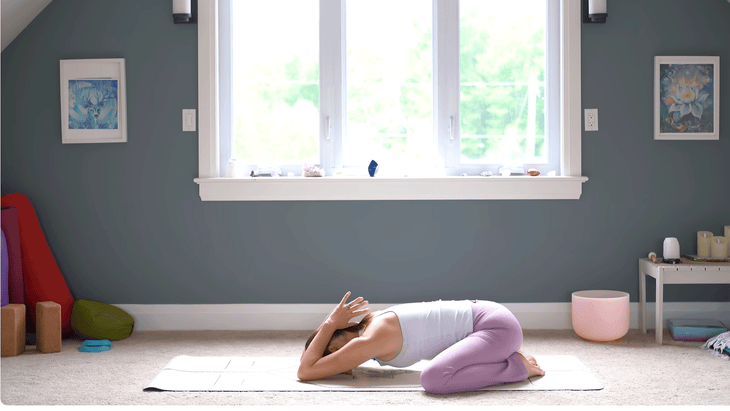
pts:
[16, 15]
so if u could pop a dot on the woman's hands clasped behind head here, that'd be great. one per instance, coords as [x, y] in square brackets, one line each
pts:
[342, 314]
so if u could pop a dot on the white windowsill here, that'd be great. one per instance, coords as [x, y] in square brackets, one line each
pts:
[390, 188]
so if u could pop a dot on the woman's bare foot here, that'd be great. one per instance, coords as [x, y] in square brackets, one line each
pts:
[531, 364]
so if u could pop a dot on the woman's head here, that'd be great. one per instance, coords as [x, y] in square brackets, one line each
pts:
[341, 337]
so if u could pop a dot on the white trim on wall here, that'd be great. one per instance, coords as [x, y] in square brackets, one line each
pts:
[291, 317]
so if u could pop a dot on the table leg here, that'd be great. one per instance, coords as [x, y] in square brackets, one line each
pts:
[642, 301]
[659, 308]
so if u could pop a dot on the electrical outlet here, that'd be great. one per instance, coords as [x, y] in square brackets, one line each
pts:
[591, 119]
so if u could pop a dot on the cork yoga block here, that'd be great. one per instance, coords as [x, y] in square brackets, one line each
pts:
[13, 329]
[48, 326]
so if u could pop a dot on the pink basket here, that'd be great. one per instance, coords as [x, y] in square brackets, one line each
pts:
[600, 315]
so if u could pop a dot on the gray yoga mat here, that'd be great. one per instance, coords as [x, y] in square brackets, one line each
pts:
[186, 373]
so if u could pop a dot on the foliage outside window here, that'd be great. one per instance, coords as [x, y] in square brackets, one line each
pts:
[388, 110]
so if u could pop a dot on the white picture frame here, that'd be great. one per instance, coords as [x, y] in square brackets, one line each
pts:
[93, 101]
[695, 82]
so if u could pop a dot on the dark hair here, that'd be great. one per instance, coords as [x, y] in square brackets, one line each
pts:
[355, 328]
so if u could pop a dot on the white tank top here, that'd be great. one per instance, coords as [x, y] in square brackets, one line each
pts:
[429, 328]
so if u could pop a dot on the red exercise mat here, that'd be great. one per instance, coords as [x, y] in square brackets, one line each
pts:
[42, 279]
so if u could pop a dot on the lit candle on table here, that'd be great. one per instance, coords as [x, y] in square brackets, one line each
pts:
[704, 238]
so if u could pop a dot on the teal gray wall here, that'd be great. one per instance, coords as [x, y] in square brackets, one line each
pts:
[127, 226]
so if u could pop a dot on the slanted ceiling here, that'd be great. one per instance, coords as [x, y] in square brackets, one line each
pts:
[16, 15]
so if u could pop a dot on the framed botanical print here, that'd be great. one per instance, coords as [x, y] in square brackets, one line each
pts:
[686, 98]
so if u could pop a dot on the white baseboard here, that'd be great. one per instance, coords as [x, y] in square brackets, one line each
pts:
[532, 316]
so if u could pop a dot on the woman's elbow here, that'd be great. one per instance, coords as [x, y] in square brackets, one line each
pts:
[302, 375]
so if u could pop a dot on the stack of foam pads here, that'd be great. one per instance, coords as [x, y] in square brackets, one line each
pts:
[38, 299]
[695, 329]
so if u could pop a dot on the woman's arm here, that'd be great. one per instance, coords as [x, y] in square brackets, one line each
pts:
[313, 366]
[320, 327]
[354, 353]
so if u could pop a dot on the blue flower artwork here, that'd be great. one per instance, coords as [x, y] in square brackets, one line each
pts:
[686, 98]
[92, 104]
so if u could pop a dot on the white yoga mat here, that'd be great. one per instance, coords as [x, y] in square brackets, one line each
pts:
[186, 373]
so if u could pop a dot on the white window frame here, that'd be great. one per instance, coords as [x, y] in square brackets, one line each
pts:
[568, 185]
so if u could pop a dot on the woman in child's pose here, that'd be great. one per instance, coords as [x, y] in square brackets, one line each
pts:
[472, 344]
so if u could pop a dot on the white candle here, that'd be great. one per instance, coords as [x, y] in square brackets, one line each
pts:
[704, 238]
[719, 247]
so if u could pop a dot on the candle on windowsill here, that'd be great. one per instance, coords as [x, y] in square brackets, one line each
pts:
[704, 238]
[719, 247]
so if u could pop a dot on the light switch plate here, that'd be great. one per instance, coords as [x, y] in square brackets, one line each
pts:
[188, 119]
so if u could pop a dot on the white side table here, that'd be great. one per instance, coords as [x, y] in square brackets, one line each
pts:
[689, 272]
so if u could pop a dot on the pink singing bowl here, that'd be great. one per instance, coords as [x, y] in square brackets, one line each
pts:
[600, 315]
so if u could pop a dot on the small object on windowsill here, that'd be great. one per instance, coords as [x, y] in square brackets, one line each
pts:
[234, 169]
[552, 173]
[267, 171]
[253, 174]
[373, 168]
[312, 171]
[533, 172]
[507, 171]
[463, 174]
[485, 173]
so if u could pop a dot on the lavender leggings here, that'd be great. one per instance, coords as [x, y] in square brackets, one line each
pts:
[487, 356]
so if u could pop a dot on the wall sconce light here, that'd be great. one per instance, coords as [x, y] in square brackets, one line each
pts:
[594, 11]
[185, 11]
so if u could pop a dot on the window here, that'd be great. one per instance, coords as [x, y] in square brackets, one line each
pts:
[437, 89]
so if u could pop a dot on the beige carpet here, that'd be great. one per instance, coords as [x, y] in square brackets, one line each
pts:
[633, 370]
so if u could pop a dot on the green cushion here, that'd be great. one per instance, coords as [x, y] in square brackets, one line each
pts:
[98, 321]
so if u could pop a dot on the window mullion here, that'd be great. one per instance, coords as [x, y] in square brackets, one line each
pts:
[225, 53]
[331, 83]
[446, 74]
